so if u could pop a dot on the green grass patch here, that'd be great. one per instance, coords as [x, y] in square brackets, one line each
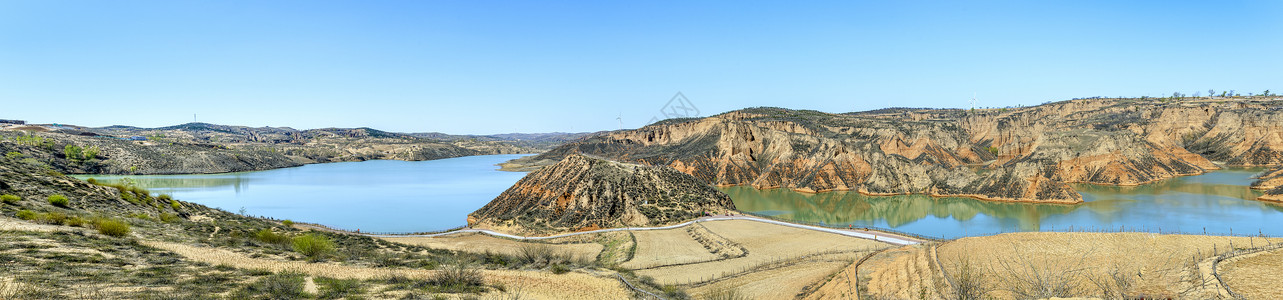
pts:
[59, 200]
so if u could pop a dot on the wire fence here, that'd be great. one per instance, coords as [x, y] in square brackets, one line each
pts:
[358, 231]
[1091, 229]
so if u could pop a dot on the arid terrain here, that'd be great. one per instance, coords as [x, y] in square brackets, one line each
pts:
[209, 148]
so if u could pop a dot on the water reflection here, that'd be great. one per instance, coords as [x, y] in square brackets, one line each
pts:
[168, 183]
[1218, 202]
[380, 195]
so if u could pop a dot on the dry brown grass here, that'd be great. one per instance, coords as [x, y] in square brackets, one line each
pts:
[531, 284]
[1152, 265]
[778, 283]
[1255, 276]
[481, 243]
[766, 243]
[662, 247]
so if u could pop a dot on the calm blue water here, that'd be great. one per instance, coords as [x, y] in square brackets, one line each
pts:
[380, 195]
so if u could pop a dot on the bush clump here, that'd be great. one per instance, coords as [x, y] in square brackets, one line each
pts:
[313, 246]
[59, 200]
[26, 215]
[287, 223]
[112, 228]
[458, 278]
[10, 199]
[271, 237]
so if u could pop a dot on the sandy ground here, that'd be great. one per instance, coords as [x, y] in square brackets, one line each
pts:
[1255, 276]
[671, 246]
[766, 244]
[480, 243]
[533, 285]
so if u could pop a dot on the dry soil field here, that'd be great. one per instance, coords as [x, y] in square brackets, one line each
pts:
[1255, 276]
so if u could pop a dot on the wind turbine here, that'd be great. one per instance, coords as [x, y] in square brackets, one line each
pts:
[973, 101]
[620, 118]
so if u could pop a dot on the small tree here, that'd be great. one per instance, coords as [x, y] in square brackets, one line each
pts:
[1198, 94]
[1266, 93]
[1211, 93]
[90, 153]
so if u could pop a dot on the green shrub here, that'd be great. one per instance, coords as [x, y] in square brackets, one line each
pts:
[313, 246]
[112, 228]
[174, 204]
[287, 223]
[13, 155]
[92, 181]
[140, 216]
[268, 236]
[59, 200]
[26, 215]
[10, 199]
[74, 221]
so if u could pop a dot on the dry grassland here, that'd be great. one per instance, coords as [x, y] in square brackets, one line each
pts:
[481, 243]
[766, 244]
[779, 283]
[1150, 264]
[663, 247]
[1255, 276]
[531, 284]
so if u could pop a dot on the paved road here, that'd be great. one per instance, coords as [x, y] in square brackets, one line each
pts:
[870, 235]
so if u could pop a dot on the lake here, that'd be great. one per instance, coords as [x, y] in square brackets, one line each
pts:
[1218, 202]
[400, 196]
[374, 196]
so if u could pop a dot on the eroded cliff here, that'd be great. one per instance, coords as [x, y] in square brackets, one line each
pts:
[1011, 154]
[580, 193]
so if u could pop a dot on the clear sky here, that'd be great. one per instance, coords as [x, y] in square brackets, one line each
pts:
[481, 67]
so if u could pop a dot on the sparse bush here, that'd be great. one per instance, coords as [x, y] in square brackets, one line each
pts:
[74, 221]
[287, 223]
[26, 215]
[331, 288]
[59, 200]
[268, 236]
[459, 278]
[673, 292]
[724, 294]
[313, 246]
[112, 228]
[175, 205]
[168, 218]
[92, 181]
[278, 286]
[541, 254]
[10, 199]
[969, 282]
[559, 269]
[54, 218]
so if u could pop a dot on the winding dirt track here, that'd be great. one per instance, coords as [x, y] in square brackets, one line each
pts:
[863, 234]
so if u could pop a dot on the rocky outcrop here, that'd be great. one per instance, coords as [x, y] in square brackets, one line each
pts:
[582, 193]
[1023, 154]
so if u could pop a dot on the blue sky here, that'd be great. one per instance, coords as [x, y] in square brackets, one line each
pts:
[481, 67]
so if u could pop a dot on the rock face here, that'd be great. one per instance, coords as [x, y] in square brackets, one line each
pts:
[582, 193]
[1014, 154]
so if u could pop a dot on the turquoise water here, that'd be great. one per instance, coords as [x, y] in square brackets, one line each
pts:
[1218, 203]
[379, 196]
